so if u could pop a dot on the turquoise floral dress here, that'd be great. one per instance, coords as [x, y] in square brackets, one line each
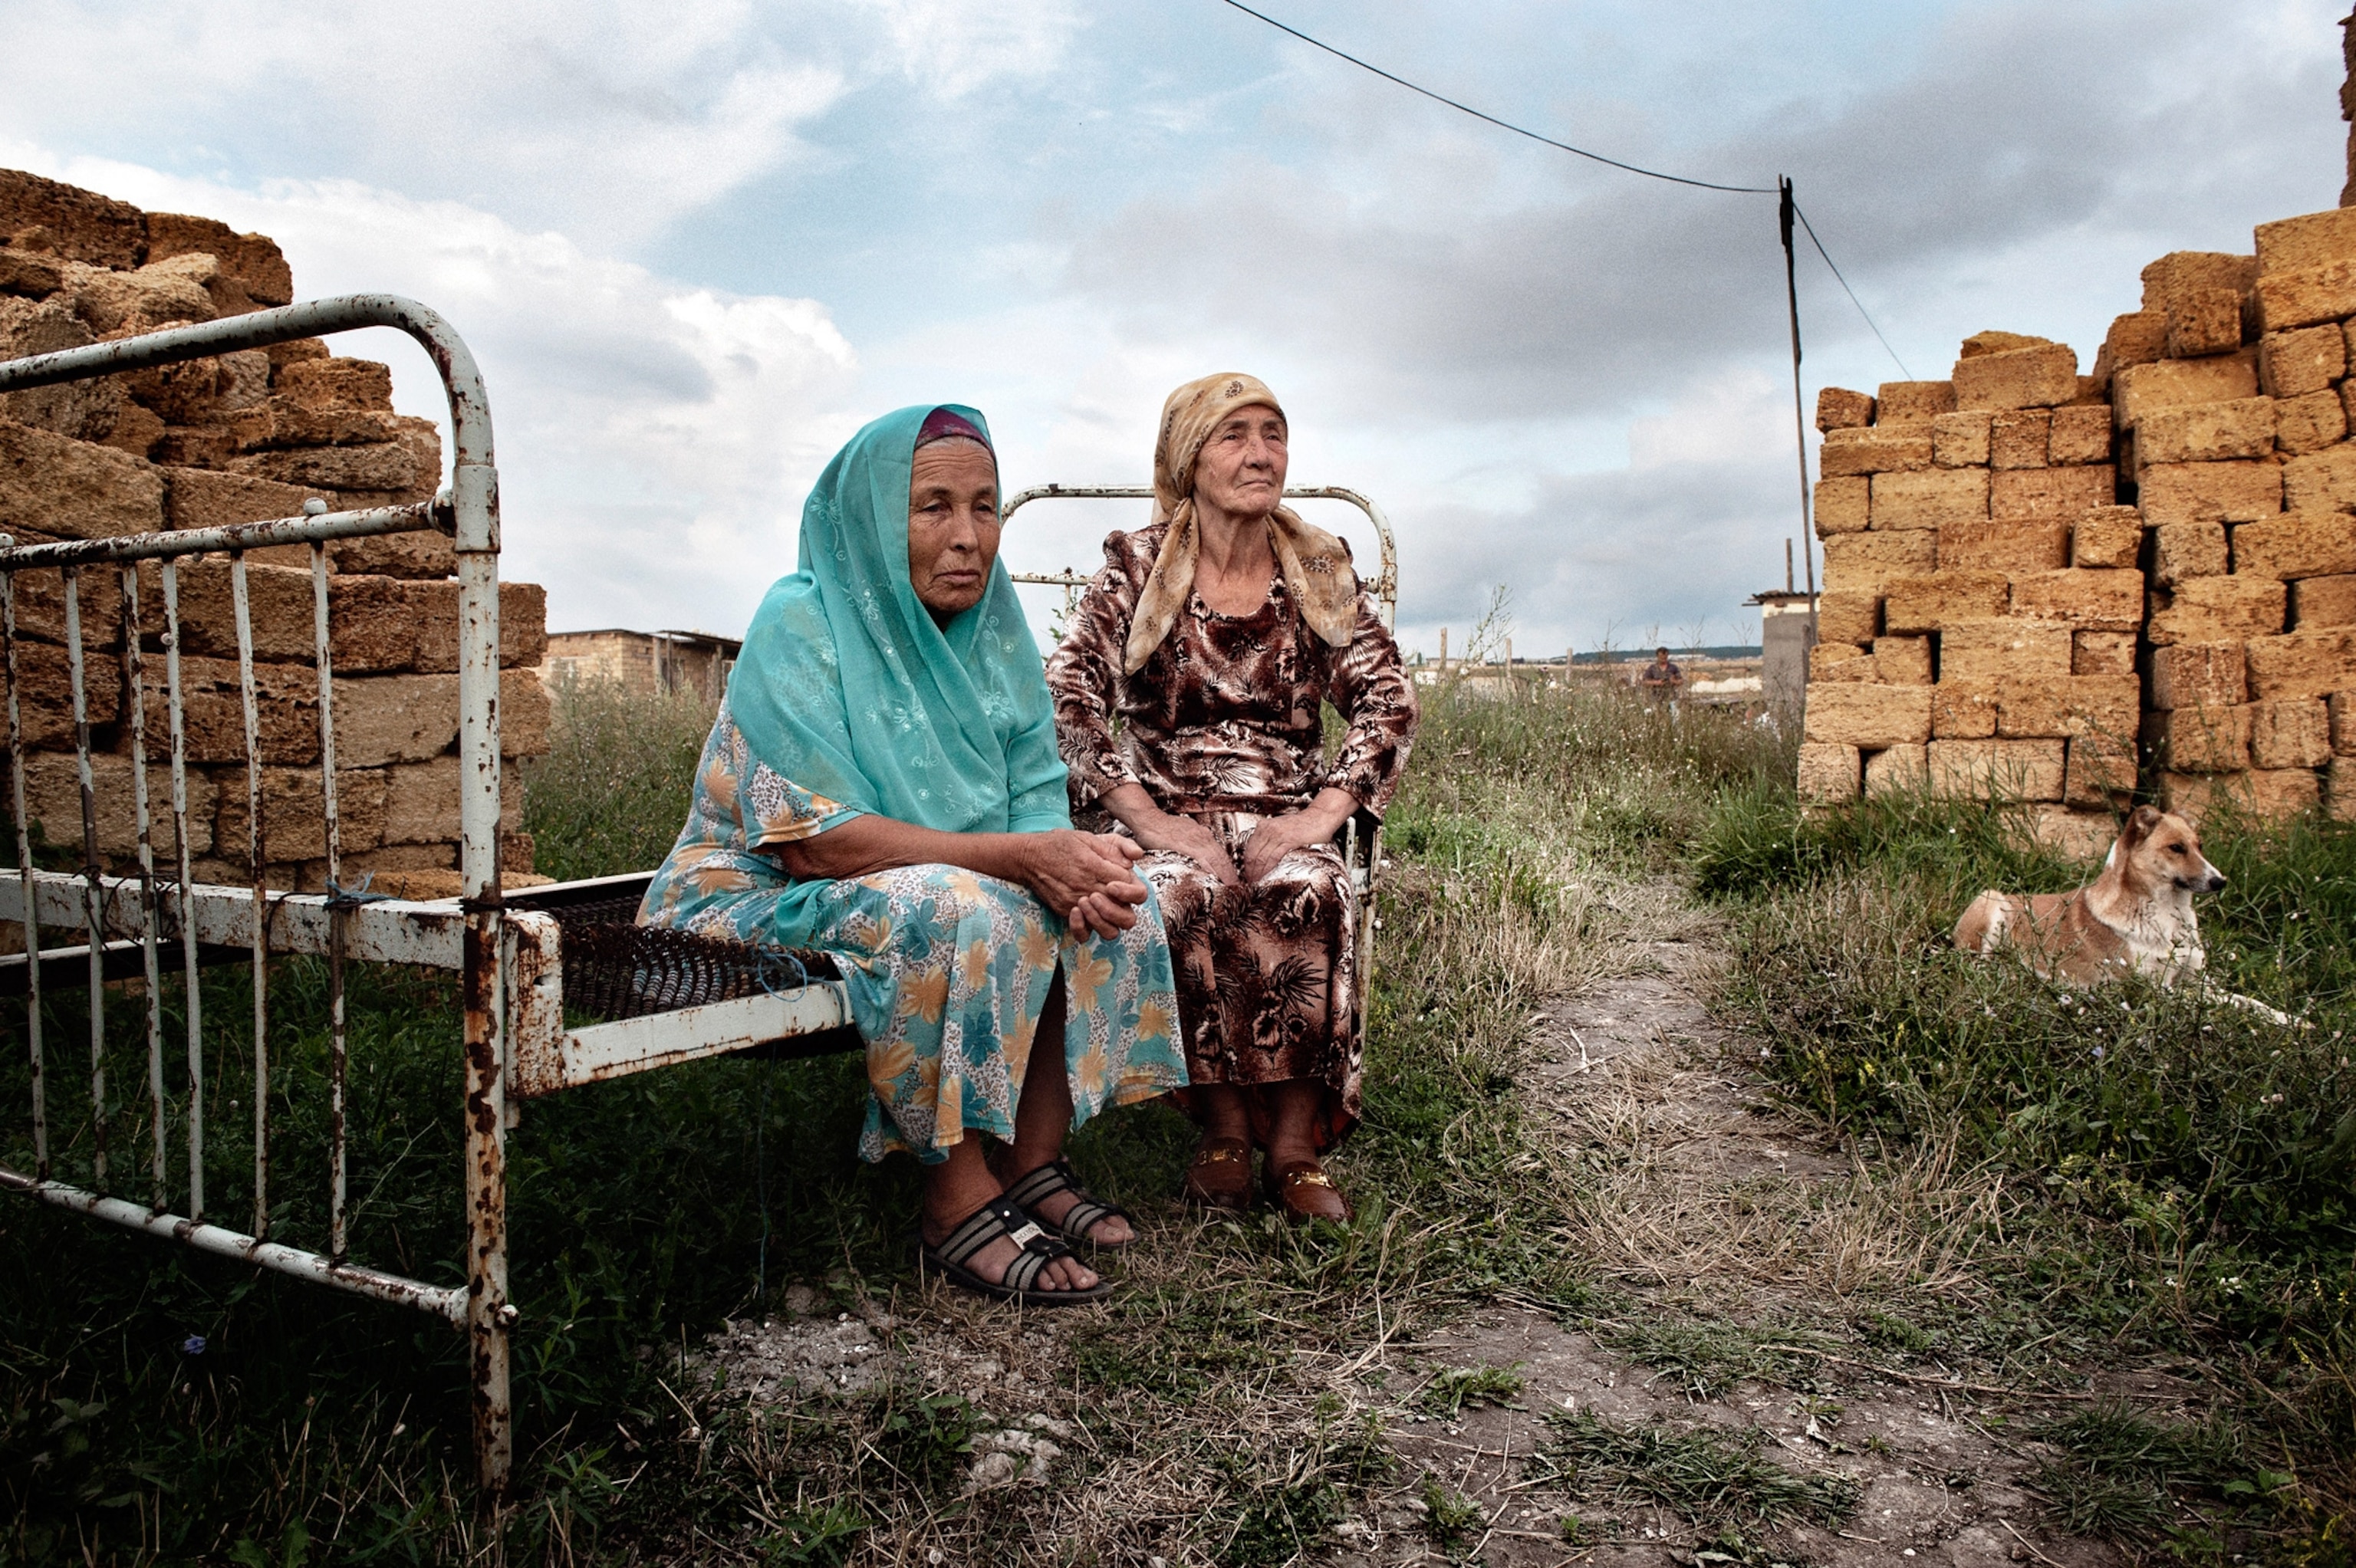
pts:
[947, 969]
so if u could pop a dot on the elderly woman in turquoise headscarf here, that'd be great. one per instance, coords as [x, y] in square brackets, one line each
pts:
[882, 784]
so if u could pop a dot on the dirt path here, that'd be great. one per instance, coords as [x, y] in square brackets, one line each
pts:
[1717, 1215]
[1741, 1262]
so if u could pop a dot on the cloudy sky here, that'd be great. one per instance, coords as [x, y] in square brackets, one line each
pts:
[697, 244]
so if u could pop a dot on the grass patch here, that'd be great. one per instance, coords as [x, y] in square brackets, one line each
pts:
[1454, 1389]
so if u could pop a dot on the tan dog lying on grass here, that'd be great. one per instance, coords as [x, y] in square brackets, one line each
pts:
[2136, 917]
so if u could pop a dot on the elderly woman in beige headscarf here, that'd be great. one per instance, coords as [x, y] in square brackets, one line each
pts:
[1216, 634]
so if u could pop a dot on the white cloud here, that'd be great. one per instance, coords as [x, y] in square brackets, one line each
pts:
[956, 45]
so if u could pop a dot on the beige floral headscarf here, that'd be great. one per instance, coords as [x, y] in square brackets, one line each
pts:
[1315, 564]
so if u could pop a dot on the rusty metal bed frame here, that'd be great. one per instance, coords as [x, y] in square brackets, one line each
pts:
[664, 997]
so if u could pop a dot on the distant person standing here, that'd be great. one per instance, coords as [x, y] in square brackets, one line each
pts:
[1661, 680]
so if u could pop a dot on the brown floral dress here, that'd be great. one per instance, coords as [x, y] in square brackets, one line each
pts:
[1224, 723]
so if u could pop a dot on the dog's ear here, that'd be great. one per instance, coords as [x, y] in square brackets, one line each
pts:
[2138, 824]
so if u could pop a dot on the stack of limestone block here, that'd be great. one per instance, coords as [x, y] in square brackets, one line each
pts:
[1977, 630]
[239, 438]
[1995, 626]
[2248, 481]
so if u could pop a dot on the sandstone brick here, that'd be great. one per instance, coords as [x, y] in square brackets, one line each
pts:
[1903, 661]
[1837, 407]
[2270, 795]
[2017, 438]
[2075, 833]
[53, 801]
[1841, 661]
[2303, 664]
[2296, 545]
[2322, 601]
[2216, 610]
[2140, 337]
[1869, 716]
[2309, 422]
[81, 225]
[41, 601]
[207, 498]
[286, 705]
[278, 425]
[45, 692]
[2198, 739]
[1840, 504]
[525, 713]
[2142, 389]
[1878, 450]
[386, 466]
[1864, 563]
[2310, 359]
[387, 719]
[2304, 296]
[2049, 491]
[2032, 544]
[2032, 706]
[523, 625]
[2181, 551]
[1998, 770]
[2085, 601]
[2179, 272]
[1921, 604]
[2339, 790]
[2200, 675]
[2205, 433]
[2080, 435]
[360, 385]
[2103, 652]
[1961, 440]
[1895, 770]
[294, 815]
[253, 260]
[1928, 499]
[2346, 402]
[420, 802]
[1911, 401]
[2214, 491]
[73, 489]
[2106, 538]
[2343, 722]
[2319, 482]
[1964, 708]
[2295, 732]
[2289, 243]
[2002, 645]
[2039, 376]
[1829, 771]
[417, 555]
[2098, 768]
[278, 600]
[2204, 321]
[1848, 617]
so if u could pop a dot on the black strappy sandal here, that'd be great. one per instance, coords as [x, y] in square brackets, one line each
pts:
[1088, 1209]
[996, 1219]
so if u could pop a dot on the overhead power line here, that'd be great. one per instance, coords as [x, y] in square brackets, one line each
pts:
[1463, 107]
[1492, 119]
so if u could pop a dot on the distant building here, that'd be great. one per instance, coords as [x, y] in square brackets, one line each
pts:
[1787, 630]
[672, 664]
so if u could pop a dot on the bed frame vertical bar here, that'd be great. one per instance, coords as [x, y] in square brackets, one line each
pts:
[254, 849]
[24, 873]
[94, 890]
[134, 693]
[336, 916]
[169, 571]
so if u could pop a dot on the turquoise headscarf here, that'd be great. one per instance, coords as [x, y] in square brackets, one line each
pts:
[847, 688]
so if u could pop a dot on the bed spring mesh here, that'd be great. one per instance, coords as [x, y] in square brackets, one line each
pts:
[616, 968]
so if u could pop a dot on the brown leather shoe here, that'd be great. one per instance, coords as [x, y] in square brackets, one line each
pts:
[1295, 1187]
[1221, 1174]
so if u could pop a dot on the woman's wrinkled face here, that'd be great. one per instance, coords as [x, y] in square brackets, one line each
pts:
[952, 525]
[1241, 468]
